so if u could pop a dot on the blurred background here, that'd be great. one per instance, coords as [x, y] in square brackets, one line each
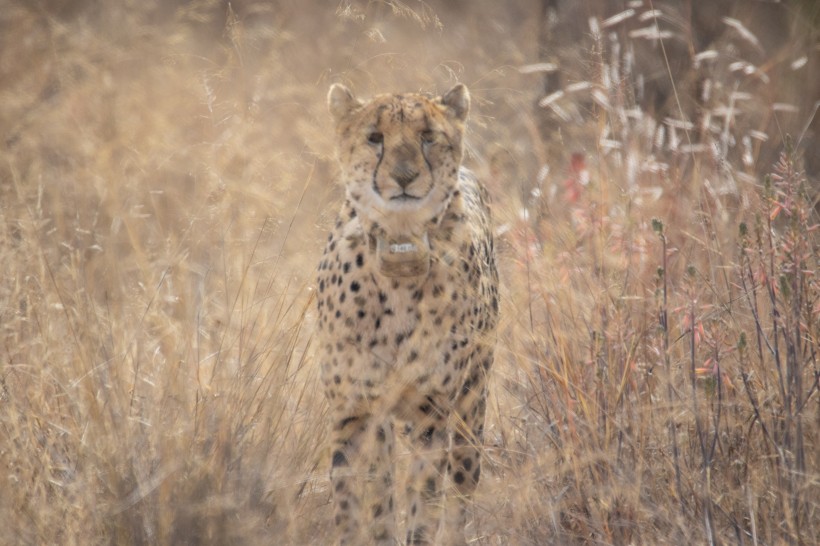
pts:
[167, 177]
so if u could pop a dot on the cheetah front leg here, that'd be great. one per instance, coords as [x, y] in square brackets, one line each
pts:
[464, 466]
[380, 481]
[429, 441]
[346, 468]
[361, 477]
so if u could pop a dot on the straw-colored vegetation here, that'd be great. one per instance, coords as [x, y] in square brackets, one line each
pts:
[166, 175]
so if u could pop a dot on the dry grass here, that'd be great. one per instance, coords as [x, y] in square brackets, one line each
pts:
[165, 183]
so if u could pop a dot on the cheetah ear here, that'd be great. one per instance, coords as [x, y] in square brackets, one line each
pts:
[457, 101]
[340, 101]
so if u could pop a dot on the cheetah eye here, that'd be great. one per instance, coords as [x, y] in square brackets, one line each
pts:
[428, 137]
[375, 138]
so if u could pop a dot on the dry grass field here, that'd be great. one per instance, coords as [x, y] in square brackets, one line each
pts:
[166, 180]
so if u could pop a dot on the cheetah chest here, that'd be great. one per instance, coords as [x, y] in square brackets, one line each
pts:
[397, 331]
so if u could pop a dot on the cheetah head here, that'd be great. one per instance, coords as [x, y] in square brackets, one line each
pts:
[400, 157]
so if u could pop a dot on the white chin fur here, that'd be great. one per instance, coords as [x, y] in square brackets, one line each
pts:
[405, 216]
[405, 205]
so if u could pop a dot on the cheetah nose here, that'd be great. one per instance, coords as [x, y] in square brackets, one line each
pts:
[404, 174]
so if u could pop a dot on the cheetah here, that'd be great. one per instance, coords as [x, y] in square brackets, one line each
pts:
[407, 312]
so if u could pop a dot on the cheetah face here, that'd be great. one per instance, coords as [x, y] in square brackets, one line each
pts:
[400, 156]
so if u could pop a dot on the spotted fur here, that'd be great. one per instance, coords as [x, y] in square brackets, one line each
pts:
[409, 346]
